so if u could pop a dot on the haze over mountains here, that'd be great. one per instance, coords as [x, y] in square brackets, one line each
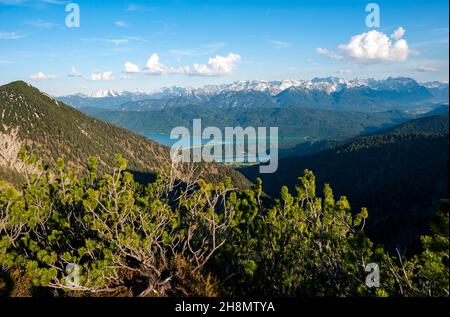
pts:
[327, 93]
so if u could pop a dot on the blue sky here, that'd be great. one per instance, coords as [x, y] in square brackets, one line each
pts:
[149, 44]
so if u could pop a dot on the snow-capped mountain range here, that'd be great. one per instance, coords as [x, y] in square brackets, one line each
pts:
[284, 92]
[274, 87]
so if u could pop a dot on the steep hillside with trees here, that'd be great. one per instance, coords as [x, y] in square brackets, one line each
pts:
[399, 174]
[50, 130]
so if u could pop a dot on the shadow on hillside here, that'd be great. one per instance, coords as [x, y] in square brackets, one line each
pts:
[148, 178]
[375, 129]
[142, 177]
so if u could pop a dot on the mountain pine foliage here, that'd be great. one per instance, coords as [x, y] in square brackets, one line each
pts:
[107, 235]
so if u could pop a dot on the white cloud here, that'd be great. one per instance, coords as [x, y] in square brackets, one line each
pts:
[280, 44]
[129, 67]
[372, 47]
[375, 46]
[426, 69]
[154, 67]
[74, 72]
[325, 52]
[42, 76]
[216, 66]
[120, 24]
[102, 76]
[11, 35]
[398, 34]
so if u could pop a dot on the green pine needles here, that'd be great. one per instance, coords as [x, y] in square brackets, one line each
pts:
[107, 235]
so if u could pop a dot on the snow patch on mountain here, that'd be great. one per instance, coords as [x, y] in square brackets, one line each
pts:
[274, 87]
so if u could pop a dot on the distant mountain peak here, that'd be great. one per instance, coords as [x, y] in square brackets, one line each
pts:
[102, 93]
[329, 92]
[273, 87]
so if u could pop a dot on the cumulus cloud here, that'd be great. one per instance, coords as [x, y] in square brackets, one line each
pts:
[42, 76]
[372, 47]
[398, 34]
[74, 72]
[102, 76]
[154, 67]
[129, 67]
[216, 66]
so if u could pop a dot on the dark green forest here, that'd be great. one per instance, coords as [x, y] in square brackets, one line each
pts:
[399, 174]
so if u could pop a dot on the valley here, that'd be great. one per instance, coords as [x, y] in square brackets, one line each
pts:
[390, 163]
[366, 153]
[210, 156]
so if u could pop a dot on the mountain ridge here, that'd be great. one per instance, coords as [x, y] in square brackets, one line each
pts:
[399, 174]
[50, 129]
[328, 92]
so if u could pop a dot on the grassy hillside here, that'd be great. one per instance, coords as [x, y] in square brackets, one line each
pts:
[51, 130]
